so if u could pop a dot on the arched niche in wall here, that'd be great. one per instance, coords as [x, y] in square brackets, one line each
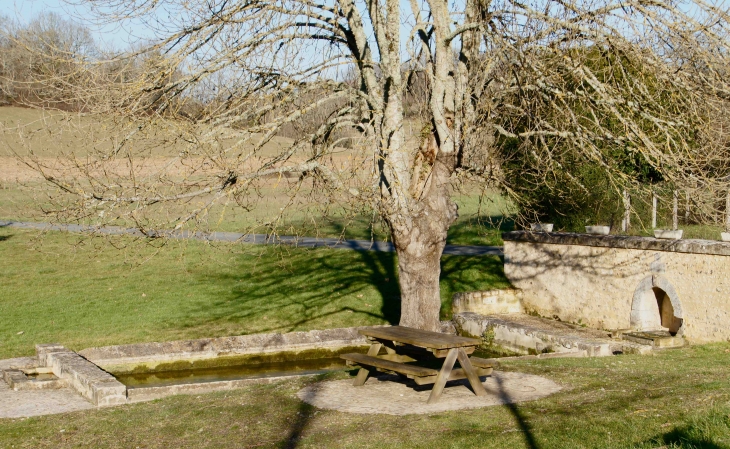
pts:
[656, 306]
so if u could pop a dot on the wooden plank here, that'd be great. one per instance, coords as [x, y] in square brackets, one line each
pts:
[456, 374]
[481, 363]
[401, 358]
[474, 381]
[366, 360]
[441, 353]
[404, 348]
[362, 375]
[443, 376]
[418, 337]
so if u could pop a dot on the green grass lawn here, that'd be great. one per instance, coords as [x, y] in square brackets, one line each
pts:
[479, 222]
[85, 292]
[677, 399]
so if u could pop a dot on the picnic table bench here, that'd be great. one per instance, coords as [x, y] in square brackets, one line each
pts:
[405, 347]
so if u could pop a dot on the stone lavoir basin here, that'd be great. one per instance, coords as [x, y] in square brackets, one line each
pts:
[153, 370]
[115, 375]
[161, 368]
[228, 373]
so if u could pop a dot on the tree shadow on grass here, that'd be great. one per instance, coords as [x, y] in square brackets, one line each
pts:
[5, 237]
[684, 437]
[284, 289]
[287, 289]
[298, 424]
[514, 409]
[706, 429]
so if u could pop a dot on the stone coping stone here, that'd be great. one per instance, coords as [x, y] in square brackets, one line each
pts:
[693, 246]
[94, 384]
[207, 348]
[19, 363]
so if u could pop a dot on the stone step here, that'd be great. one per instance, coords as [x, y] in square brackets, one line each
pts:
[526, 334]
[656, 339]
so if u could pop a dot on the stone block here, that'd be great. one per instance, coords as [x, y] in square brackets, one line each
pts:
[491, 302]
[42, 351]
[525, 335]
[18, 380]
[94, 384]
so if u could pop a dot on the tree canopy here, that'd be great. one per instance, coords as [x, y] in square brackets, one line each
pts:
[389, 104]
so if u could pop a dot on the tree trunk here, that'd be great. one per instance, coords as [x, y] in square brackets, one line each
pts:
[419, 240]
[419, 270]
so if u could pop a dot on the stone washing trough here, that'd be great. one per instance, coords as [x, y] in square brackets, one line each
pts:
[116, 375]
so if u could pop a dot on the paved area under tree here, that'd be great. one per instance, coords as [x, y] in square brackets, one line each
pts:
[21, 404]
[391, 395]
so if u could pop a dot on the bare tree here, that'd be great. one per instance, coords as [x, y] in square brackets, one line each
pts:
[490, 71]
[41, 61]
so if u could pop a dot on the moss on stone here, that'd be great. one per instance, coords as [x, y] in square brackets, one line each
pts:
[226, 360]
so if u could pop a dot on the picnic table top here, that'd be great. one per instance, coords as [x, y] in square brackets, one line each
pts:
[418, 337]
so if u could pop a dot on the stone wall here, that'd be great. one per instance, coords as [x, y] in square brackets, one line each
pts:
[620, 282]
[488, 302]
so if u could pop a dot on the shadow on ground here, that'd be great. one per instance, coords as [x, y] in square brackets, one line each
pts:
[682, 437]
[468, 230]
[301, 289]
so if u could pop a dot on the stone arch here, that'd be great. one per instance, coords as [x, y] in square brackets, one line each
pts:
[656, 306]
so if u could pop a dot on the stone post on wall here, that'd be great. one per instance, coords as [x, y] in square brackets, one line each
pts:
[675, 210]
[653, 209]
[626, 222]
[727, 211]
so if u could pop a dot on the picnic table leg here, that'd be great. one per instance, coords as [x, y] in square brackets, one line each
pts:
[363, 374]
[466, 365]
[438, 386]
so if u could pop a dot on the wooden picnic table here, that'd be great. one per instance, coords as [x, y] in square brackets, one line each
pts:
[405, 347]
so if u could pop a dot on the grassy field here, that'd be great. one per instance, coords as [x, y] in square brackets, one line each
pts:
[677, 399]
[82, 293]
[24, 197]
[479, 223]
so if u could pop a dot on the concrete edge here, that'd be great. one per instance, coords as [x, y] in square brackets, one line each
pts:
[695, 246]
[209, 348]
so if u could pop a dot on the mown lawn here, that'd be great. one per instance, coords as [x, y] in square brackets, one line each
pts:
[83, 293]
[679, 398]
[61, 287]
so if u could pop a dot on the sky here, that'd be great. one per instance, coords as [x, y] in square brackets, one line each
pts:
[110, 36]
